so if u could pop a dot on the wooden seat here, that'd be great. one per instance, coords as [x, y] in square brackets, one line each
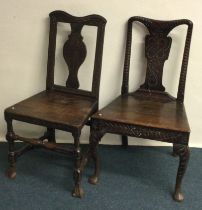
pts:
[149, 112]
[156, 111]
[54, 107]
[66, 108]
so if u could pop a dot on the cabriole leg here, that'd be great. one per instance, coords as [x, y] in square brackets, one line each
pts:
[95, 137]
[175, 150]
[183, 152]
[77, 191]
[10, 137]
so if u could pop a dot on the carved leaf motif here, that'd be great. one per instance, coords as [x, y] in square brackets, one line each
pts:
[74, 52]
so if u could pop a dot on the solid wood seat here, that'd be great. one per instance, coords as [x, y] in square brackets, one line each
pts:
[64, 107]
[54, 107]
[157, 111]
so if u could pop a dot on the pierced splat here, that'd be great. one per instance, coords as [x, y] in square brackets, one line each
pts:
[157, 48]
[74, 53]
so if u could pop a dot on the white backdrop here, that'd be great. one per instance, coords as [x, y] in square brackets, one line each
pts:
[24, 30]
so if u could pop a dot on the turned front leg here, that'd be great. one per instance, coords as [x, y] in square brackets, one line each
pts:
[184, 153]
[10, 137]
[77, 191]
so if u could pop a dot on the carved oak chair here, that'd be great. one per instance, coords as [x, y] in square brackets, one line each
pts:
[149, 112]
[59, 107]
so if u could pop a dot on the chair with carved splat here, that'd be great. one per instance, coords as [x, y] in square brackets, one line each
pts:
[149, 112]
[59, 107]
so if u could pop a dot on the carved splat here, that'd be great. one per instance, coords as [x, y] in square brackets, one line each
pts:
[74, 53]
[157, 48]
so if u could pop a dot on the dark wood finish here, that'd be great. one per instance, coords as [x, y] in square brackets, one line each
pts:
[51, 135]
[65, 108]
[135, 109]
[149, 112]
[48, 107]
[74, 52]
[159, 30]
[124, 141]
[75, 39]
[157, 48]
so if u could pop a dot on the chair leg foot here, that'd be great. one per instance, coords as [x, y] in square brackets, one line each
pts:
[78, 192]
[11, 172]
[178, 196]
[93, 179]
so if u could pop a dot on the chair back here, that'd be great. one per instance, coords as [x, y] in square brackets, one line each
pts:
[74, 52]
[157, 49]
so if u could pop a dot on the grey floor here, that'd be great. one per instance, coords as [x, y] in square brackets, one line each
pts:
[134, 178]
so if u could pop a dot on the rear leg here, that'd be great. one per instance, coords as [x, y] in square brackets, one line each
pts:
[10, 137]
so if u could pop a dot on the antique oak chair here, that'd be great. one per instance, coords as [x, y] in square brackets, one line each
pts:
[149, 112]
[65, 108]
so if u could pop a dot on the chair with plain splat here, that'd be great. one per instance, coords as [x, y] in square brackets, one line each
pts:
[66, 108]
[148, 112]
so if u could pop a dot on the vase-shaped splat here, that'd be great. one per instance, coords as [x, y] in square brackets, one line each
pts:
[157, 48]
[74, 52]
